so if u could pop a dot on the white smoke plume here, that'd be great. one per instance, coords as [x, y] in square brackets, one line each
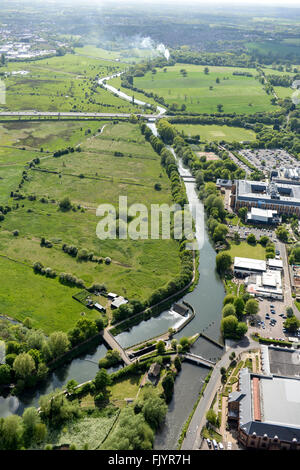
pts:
[148, 43]
[163, 50]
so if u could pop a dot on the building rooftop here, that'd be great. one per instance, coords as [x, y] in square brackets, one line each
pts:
[280, 193]
[275, 263]
[249, 263]
[280, 361]
[255, 211]
[259, 409]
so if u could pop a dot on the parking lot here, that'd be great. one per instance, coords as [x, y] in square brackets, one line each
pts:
[268, 160]
[267, 328]
[258, 232]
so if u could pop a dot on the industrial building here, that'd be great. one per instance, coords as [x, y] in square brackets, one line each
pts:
[263, 216]
[281, 197]
[246, 266]
[266, 409]
[267, 284]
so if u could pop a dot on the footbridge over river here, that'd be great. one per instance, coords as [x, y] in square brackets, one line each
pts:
[113, 344]
[188, 178]
[199, 360]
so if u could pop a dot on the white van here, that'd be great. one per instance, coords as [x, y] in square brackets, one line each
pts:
[215, 444]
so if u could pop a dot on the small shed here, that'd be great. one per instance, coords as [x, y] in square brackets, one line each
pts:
[100, 308]
[154, 370]
[112, 296]
[118, 301]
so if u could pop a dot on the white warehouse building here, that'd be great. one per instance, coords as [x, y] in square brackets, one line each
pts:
[246, 266]
[263, 216]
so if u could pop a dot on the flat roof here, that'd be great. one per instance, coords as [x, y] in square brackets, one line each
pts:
[279, 402]
[260, 190]
[276, 263]
[249, 263]
[284, 361]
[271, 279]
[262, 212]
[281, 391]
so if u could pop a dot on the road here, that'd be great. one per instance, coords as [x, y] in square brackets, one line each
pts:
[193, 436]
[288, 298]
[71, 114]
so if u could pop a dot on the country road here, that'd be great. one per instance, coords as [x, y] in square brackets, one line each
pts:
[71, 114]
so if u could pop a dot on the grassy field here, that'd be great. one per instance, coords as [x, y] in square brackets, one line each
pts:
[138, 267]
[244, 250]
[116, 82]
[20, 142]
[67, 83]
[89, 430]
[216, 133]
[238, 94]
[124, 388]
[283, 92]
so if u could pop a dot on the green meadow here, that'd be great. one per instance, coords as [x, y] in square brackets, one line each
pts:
[67, 83]
[244, 250]
[216, 133]
[239, 94]
[90, 177]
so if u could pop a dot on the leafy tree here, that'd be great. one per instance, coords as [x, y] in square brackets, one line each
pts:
[251, 239]
[5, 374]
[160, 347]
[102, 380]
[11, 433]
[289, 312]
[30, 420]
[154, 411]
[229, 299]
[282, 234]
[24, 366]
[251, 307]
[242, 212]
[168, 386]
[220, 232]
[223, 262]
[241, 330]
[264, 240]
[292, 324]
[55, 409]
[65, 204]
[228, 309]
[228, 326]
[177, 363]
[239, 306]
[212, 417]
[184, 343]
[58, 343]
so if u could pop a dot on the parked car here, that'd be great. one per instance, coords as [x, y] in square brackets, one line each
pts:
[215, 444]
[229, 446]
[208, 442]
[221, 447]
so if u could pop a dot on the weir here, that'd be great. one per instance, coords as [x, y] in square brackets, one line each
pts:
[212, 340]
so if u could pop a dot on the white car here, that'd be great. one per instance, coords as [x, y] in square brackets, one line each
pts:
[229, 446]
[221, 447]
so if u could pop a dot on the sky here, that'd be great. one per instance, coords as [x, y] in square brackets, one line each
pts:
[204, 3]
